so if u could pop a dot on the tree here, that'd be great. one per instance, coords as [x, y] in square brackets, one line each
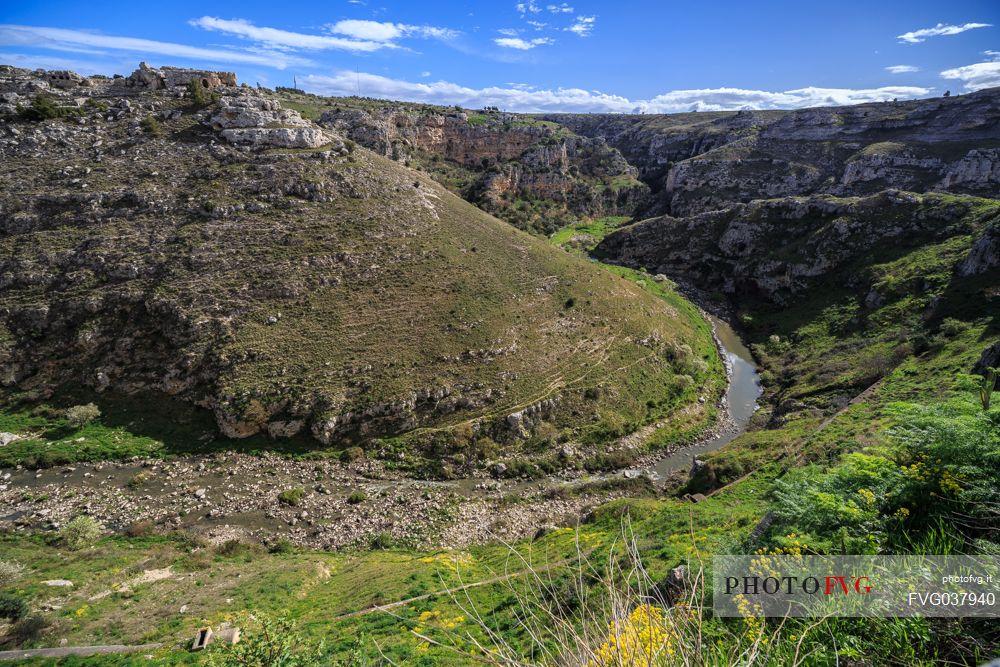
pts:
[268, 641]
[81, 532]
[81, 415]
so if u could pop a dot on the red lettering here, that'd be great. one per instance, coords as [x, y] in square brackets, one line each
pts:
[831, 585]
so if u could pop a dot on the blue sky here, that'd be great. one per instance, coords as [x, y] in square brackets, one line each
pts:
[537, 55]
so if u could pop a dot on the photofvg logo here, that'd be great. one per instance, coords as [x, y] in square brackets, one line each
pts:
[787, 585]
[887, 586]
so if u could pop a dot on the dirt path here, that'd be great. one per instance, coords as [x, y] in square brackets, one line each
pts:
[64, 651]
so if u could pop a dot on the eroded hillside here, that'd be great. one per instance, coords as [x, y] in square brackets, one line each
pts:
[235, 255]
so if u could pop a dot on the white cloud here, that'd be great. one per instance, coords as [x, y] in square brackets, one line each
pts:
[992, 55]
[65, 39]
[509, 32]
[901, 69]
[522, 98]
[378, 31]
[283, 39]
[977, 76]
[367, 30]
[583, 26]
[537, 25]
[560, 9]
[522, 44]
[530, 7]
[349, 35]
[425, 74]
[917, 36]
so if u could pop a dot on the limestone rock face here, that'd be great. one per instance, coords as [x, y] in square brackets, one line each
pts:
[152, 78]
[511, 158]
[699, 162]
[777, 249]
[253, 120]
[979, 167]
[984, 256]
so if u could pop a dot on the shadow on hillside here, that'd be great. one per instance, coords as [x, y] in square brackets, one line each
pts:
[183, 428]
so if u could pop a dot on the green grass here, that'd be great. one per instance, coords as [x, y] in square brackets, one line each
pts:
[582, 237]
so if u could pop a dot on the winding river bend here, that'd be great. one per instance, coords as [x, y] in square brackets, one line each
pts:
[741, 401]
[234, 495]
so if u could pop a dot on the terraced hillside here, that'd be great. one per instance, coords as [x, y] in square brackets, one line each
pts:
[295, 283]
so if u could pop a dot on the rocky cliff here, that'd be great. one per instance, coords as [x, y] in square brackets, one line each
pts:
[535, 174]
[777, 249]
[699, 162]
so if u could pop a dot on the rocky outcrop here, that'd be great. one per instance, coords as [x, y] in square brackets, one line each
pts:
[777, 249]
[984, 255]
[151, 78]
[698, 162]
[513, 161]
[253, 120]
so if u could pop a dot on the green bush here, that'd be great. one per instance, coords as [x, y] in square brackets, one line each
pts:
[43, 107]
[383, 541]
[292, 497]
[352, 454]
[282, 546]
[357, 498]
[28, 629]
[237, 548]
[198, 94]
[951, 327]
[83, 531]
[12, 607]
[80, 415]
[152, 126]
[266, 641]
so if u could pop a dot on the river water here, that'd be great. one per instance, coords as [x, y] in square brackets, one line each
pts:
[741, 397]
[740, 402]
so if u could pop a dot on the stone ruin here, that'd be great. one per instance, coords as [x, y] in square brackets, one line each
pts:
[152, 78]
[64, 79]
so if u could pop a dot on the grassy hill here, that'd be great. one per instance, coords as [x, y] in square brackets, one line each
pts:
[309, 291]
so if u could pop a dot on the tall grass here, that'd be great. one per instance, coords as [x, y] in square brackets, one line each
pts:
[607, 611]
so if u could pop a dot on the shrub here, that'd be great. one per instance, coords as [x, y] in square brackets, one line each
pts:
[292, 497]
[12, 607]
[382, 541]
[138, 480]
[199, 96]
[951, 327]
[42, 107]
[236, 548]
[83, 531]
[357, 498]
[282, 546]
[352, 454]
[81, 415]
[267, 641]
[152, 126]
[28, 629]
[10, 573]
[140, 528]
